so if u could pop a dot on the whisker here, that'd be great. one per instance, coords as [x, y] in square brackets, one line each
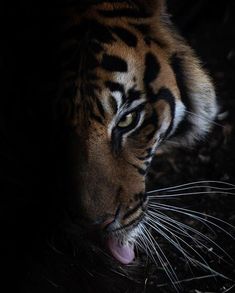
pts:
[193, 183]
[143, 239]
[193, 214]
[189, 280]
[189, 241]
[183, 226]
[180, 248]
[169, 271]
[199, 220]
[191, 193]
[212, 188]
[193, 261]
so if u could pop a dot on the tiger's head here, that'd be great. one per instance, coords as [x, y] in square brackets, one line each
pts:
[130, 85]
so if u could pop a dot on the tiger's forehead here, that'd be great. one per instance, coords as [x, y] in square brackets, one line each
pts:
[127, 72]
[119, 56]
[121, 70]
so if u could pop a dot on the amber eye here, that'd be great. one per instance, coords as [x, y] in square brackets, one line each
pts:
[127, 120]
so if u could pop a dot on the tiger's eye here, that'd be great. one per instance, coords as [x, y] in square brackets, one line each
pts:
[127, 120]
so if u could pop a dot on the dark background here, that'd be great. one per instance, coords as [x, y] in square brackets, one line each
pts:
[31, 149]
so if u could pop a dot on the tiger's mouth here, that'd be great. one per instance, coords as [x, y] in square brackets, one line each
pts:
[120, 242]
[116, 234]
[116, 239]
[121, 251]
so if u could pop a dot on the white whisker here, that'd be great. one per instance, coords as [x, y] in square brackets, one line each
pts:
[191, 193]
[193, 214]
[192, 260]
[169, 271]
[189, 280]
[180, 226]
[193, 183]
[212, 188]
[180, 248]
[193, 244]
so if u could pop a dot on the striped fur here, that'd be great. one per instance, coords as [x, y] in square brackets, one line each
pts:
[119, 57]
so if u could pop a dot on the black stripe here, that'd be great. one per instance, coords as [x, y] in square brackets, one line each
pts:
[100, 107]
[116, 141]
[143, 28]
[126, 36]
[115, 86]
[132, 224]
[114, 104]
[177, 66]
[113, 63]
[140, 170]
[152, 68]
[133, 94]
[132, 211]
[166, 95]
[147, 41]
[184, 126]
[149, 152]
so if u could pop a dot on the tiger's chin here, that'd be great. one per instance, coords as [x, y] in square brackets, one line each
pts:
[114, 242]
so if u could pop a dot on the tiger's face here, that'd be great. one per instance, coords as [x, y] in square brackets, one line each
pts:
[136, 82]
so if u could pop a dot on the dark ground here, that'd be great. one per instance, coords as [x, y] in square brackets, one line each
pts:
[28, 161]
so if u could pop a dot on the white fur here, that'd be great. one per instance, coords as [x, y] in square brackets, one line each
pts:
[179, 113]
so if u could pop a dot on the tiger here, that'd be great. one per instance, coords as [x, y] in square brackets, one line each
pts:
[130, 86]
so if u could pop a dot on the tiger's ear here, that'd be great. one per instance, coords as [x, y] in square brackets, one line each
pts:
[151, 7]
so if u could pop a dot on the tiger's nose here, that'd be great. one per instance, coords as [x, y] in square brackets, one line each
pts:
[107, 222]
[109, 219]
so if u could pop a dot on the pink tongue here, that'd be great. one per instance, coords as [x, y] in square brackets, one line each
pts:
[123, 253]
